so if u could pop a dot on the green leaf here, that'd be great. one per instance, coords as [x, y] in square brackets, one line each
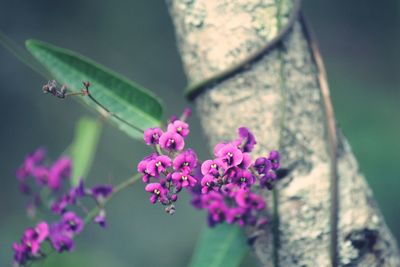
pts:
[224, 245]
[129, 101]
[83, 147]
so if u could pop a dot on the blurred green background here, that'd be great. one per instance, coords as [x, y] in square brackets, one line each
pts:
[360, 42]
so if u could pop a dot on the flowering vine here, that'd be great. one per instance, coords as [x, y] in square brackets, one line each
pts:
[35, 178]
[227, 186]
[223, 186]
[227, 182]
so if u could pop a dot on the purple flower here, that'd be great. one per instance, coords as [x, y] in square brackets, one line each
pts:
[184, 179]
[230, 155]
[179, 127]
[101, 192]
[101, 218]
[262, 165]
[274, 157]
[246, 140]
[208, 183]
[21, 253]
[71, 222]
[60, 169]
[256, 201]
[229, 190]
[41, 175]
[42, 231]
[60, 239]
[171, 141]
[246, 199]
[237, 214]
[211, 197]
[243, 178]
[30, 163]
[218, 147]
[158, 165]
[185, 161]
[62, 203]
[30, 243]
[142, 167]
[268, 179]
[211, 167]
[157, 192]
[79, 190]
[174, 197]
[246, 162]
[152, 135]
[33, 237]
[216, 212]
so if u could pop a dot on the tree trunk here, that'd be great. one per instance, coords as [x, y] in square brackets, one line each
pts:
[280, 97]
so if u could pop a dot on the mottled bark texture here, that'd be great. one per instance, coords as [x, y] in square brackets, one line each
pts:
[279, 98]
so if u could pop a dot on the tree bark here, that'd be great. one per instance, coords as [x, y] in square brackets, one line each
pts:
[278, 97]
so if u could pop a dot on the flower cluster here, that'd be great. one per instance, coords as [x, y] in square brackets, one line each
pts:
[227, 181]
[44, 176]
[223, 186]
[60, 233]
[68, 200]
[169, 168]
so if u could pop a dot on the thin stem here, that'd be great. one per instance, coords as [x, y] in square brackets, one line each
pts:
[158, 149]
[93, 212]
[74, 94]
[118, 188]
[113, 114]
[332, 138]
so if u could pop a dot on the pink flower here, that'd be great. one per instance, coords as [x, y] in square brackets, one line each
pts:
[179, 127]
[158, 192]
[152, 135]
[211, 167]
[60, 169]
[184, 179]
[230, 155]
[171, 141]
[158, 165]
[185, 161]
[208, 183]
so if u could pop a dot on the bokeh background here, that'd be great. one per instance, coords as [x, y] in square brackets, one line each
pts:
[359, 40]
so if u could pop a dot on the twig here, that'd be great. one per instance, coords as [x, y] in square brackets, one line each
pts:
[332, 136]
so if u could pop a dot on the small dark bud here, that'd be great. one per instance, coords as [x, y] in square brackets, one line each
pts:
[86, 84]
[174, 197]
[173, 118]
[178, 188]
[187, 112]
[162, 182]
